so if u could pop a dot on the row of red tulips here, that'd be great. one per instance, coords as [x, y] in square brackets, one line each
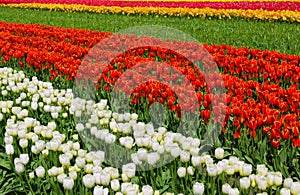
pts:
[271, 6]
[265, 107]
[243, 62]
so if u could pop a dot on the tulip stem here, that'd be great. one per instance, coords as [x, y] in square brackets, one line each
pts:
[29, 184]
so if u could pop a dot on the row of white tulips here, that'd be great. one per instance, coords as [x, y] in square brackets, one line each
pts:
[22, 131]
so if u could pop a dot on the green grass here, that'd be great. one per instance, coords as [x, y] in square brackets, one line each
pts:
[279, 36]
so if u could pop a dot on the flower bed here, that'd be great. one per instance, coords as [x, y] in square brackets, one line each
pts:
[285, 11]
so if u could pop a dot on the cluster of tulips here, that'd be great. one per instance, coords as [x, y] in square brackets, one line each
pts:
[262, 87]
[36, 115]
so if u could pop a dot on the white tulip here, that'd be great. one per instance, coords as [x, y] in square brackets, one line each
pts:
[175, 151]
[278, 179]
[246, 169]
[226, 188]
[129, 169]
[185, 156]
[105, 179]
[190, 170]
[285, 191]
[194, 151]
[8, 139]
[24, 158]
[115, 185]
[142, 154]
[64, 160]
[99, 190]
[262, 182]
[40, 172]
[181, 172]
[198, 188]
[219, 153]
[152, 158]
[88, 181]
[135, 159]
[9, 149]
[61, 177]
[31, 175]
[295, 188]
[147, 190]
[229, 169]
[196, 161]
[68, 183]
[262, 170]
[234, 191]
[245, 182]
[212, 170]
[19, 167]
[288, 183]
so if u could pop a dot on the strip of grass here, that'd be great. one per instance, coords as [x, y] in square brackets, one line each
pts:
[279, 36]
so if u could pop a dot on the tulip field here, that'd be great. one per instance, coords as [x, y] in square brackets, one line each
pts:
[150, 97]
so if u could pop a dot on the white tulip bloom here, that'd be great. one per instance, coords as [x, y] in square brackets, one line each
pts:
[40, 172]
[24, 158]
[115, 185]
[285, 191]
[288, 183]
[88, 181]
[181, 172]
[185, 156]
[262, 170]
[226, 188]
[245, 182]
[142, 154]
[9, 149]
[234, 191]
[246, 169]
[105, 179]
[295, 188]
[212, 170]
[68, 183]
[129, 170]
[198, 188]
[219, 153]
[196, 161]
[61, 177]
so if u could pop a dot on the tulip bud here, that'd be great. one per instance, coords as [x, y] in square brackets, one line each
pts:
[190, 170]
[31, 175]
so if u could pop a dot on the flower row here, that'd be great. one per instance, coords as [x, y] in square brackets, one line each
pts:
[270, 6]
[245, 63]
[259, 14]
